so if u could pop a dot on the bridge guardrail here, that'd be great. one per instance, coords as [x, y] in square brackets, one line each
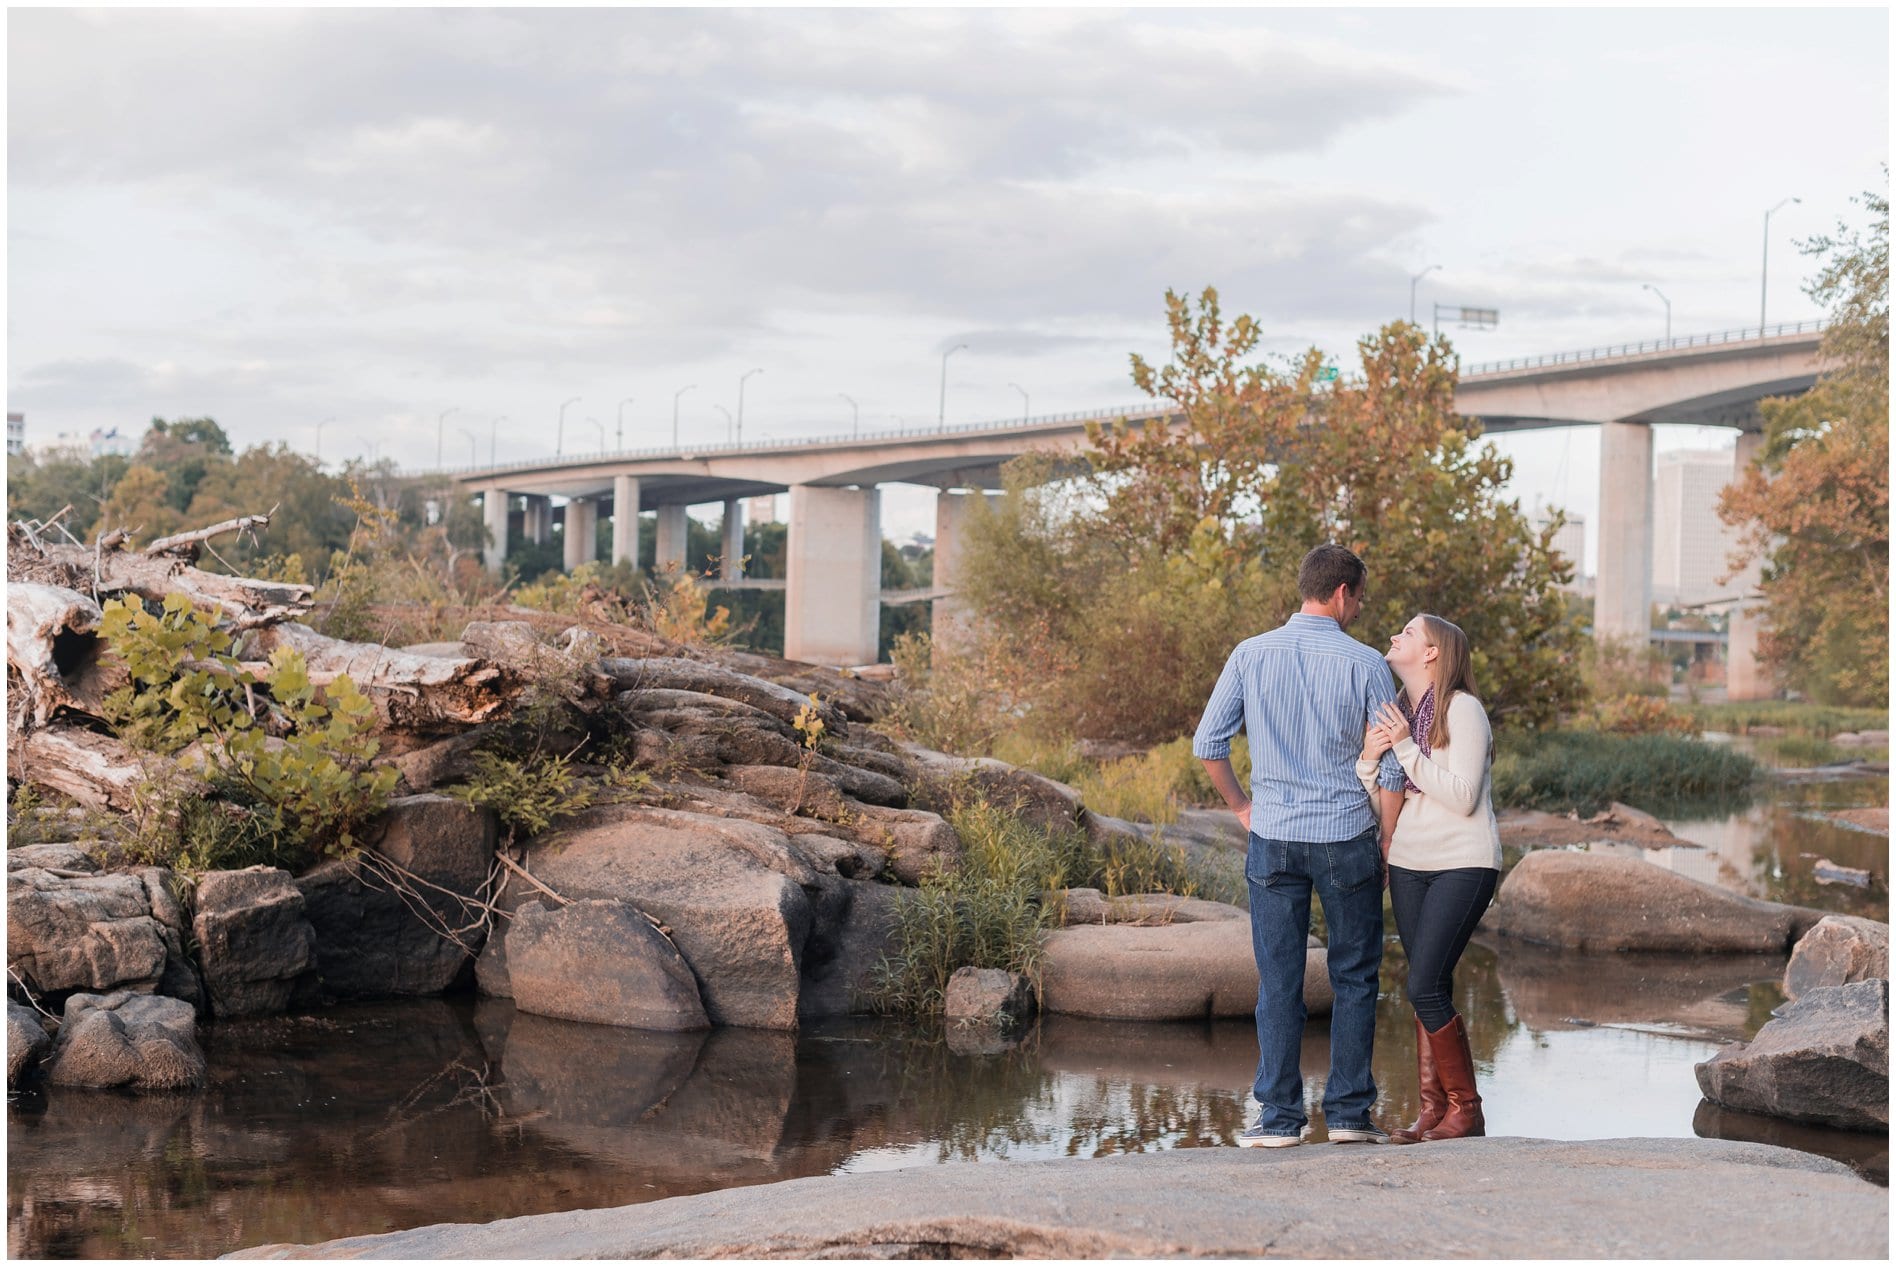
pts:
[1684, 342]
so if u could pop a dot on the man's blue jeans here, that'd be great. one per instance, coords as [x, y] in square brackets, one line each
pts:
[1347, 877]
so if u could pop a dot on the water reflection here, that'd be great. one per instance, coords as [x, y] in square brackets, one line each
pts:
[376, 1117]
[1769, 850]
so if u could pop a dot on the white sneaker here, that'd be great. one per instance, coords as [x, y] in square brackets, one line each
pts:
[1371, 1134]
[1258, 1137]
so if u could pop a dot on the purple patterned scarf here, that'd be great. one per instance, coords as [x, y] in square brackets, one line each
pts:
[1420, 725]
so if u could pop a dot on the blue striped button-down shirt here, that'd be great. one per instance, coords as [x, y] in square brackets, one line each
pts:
[1303, 694]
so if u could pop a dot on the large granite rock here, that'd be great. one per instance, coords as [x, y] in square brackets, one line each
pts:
[1167, 972]
[1475, 1198]
[1823, 1058]
[840, 957]
[27, 1042]
[142, 1042]
[1047, 804]
[1587, 901]
[731, 893]
[603, 962]
[252, 939]
[1840, 950]
[1090, 906]
[370, 941]
[94, 931]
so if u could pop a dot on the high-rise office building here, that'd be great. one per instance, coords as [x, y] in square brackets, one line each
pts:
[16, 433]
[1690, 543]
[1571, 541]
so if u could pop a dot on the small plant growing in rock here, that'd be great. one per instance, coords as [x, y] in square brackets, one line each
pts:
[289, 763]
[528, 794]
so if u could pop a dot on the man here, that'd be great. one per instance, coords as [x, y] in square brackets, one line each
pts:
[1305, 693]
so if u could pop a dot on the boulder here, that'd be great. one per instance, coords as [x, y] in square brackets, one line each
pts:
[252, 939]
[142, 1042]
[27, 1042]
[1588, 901]
[1841, 949]
[371, 942]
[603, 962]
[55, 857]
[988, 997]
[93, 932]
[919, 843]
[1167, 972]
[718, 885]
[1823, 1059]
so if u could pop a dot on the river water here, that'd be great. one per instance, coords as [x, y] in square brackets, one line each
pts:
[375, 1117]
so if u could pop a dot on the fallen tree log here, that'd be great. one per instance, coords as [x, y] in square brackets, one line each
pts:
[422, 693]
[246, 603]
[51, 642]
[94, 770]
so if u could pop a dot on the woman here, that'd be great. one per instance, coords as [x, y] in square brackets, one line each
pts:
[1444, 859]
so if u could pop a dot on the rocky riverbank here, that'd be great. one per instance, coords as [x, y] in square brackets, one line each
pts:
[1479, 1198]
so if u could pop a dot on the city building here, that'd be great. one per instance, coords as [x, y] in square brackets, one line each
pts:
[1691, 545]
[761, 510]
[102, 442]
[1571, 541]
[16, 433]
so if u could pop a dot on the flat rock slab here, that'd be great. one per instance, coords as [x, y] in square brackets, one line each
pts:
[1165, 972]
[1476, 1198]
[1599, 902]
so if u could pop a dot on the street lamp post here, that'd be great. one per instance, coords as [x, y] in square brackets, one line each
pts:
[740, 400]
[319, 440]
[602, 432]
[559, 437]
[675, 395]
[855, 415]
[941, 412]
[1025, 403]
[1667, 302]
[493, 440]
[1764, 269]
[729, 424]
[620, 439]
[1412, 285]
[441, 425]
[473, 450]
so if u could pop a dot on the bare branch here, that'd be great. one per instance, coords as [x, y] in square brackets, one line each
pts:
[178, 541]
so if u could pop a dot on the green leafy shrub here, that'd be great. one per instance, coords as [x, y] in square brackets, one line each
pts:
[1639, 715]
[288, 764]
[529, 794]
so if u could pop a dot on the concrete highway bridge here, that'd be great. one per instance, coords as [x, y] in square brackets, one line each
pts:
[833, 587]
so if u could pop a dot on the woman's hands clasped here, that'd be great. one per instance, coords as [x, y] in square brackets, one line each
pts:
[1389, 729]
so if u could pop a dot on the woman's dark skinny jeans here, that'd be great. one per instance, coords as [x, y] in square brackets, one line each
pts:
[1436, 913]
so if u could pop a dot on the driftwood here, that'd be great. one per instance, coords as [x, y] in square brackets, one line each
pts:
[186, 543]
[94, 770]
[244, 602]
[51, 643]
[423, 693]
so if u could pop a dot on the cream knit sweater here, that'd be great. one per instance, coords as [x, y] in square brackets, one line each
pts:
[1451, 822]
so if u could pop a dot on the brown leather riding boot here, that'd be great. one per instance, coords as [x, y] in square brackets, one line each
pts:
[1434, 1101]
[1455, 1066]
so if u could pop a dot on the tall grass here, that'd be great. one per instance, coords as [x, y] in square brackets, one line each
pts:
[1584, 771]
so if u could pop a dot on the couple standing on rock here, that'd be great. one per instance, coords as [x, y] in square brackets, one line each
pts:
[1354, 789]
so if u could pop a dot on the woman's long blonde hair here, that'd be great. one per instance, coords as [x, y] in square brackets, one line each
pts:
[1454, 671]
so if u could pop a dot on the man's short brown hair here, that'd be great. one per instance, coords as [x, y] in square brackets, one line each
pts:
[1328, 566]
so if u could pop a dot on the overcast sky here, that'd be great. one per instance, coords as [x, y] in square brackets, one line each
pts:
[276, 217]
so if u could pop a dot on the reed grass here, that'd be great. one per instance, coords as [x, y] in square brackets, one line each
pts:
[1584, 771]
[1795, 718]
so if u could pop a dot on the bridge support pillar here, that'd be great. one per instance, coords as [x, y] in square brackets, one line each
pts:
[582, 532]
[1622, 606]
[1746, 677]
[625, 520]
[950, 623]
[673, 534]
[536, 518]
[494, 509]
[833, 592]
[731, 561]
